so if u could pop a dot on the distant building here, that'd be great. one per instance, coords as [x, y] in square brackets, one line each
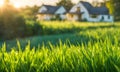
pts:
[47, 12]
[84, 11]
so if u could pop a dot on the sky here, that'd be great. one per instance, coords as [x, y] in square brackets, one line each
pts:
[37, 2]
[19, 3]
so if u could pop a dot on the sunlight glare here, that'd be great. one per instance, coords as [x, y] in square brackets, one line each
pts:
[1, 2]
[17, 5]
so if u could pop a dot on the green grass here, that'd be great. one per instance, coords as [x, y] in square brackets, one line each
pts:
[102, 56]
[82, 36]
[92, 49]
[55, 27]
[62, 27]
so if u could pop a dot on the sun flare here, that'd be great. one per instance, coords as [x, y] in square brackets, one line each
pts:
[1, 2]
[17, 5]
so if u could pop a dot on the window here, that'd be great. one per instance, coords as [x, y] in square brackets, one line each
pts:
[93, 16]
[108, 16]
[102, 18]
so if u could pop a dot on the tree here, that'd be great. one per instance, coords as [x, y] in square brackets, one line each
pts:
[117, 9]
[66, 3]
[110, 6]
[114, 7]
[12, 25]
[30, 12]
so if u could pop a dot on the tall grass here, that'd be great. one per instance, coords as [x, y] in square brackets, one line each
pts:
[102, 56]
[62, 27]
[82, 36]
[93, 49]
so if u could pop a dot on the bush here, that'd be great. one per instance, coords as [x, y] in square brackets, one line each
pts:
[12, 24]
[33, 28]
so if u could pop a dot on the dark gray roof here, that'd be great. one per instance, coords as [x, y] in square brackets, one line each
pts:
[50, 9]
[95, 10]
[100, 10]
[75, 13]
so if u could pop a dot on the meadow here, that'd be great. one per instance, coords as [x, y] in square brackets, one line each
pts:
[64, 47]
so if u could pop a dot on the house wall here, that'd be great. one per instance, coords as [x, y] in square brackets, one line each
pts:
[83, 10]
[72, 17]
[48, 17]
[61, 11]
[44, 16]
[105, 18]
[108, 18]
[97, 19]
[63, 16]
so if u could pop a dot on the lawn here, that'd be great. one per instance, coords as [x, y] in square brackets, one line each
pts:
[94, 47]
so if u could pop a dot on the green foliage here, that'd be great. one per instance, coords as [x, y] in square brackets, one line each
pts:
[101, 56]
[66, 3]
[117, 11]
[32, 28]
[14, 22]
[57, 27]
[110, 5]
[114, 6]
[96, 48]
[11, 23]
[75, 32]
[29, 12]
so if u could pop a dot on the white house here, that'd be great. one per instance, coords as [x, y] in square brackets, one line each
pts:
[47, 12]
[84, 11]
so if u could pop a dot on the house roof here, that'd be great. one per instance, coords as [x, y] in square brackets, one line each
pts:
[50, 9]
[75, 12]
[95, 10]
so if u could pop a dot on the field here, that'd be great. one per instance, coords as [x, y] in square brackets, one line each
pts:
[65, 47]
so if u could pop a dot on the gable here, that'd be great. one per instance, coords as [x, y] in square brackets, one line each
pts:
[42, 9]
[61, 10]
[48, 9]
[82, 8]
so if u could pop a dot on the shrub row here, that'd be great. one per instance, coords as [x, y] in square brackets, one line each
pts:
[59, 27]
